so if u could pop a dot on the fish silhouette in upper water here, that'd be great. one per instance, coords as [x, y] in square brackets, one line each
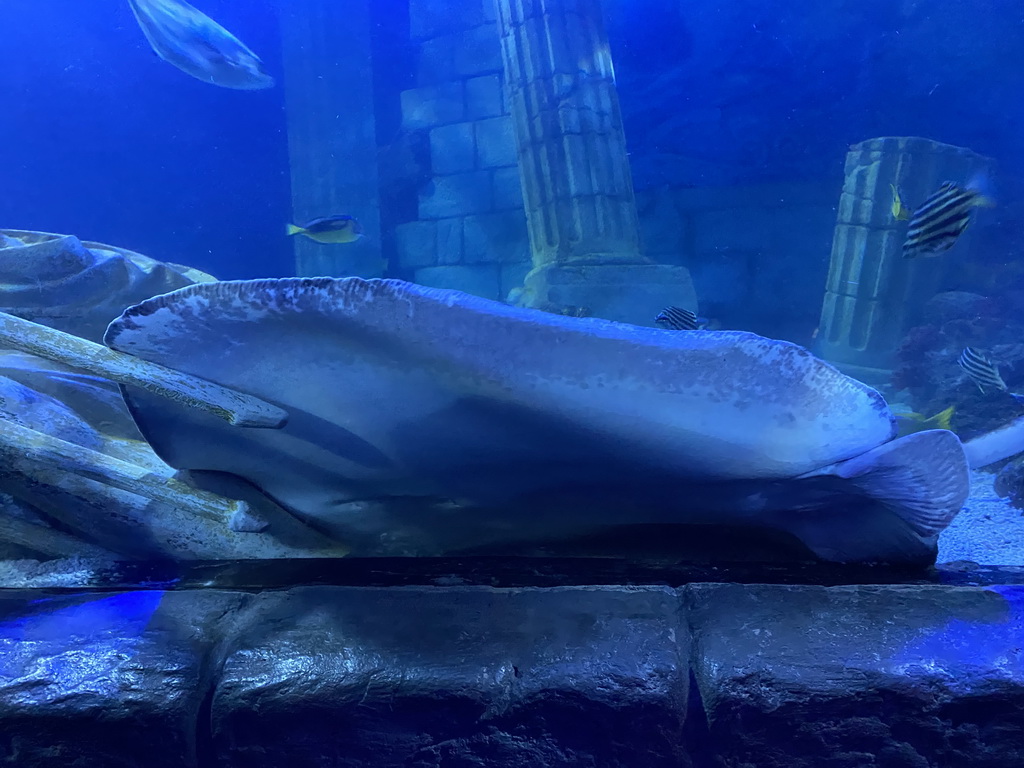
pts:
[197, 45]
[329, 229]
[939, 222]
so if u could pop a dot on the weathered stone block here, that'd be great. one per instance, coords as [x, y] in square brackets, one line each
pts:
[449, 241]
[417, 244]
[727, 280]
[630, 293]
[430, 18]
[495, 142]
[500, 237]
[474, 676]
[508, 188]
[477, 51]
[867, 260]
[98, 680]
[478, 279]
[457, 195]
[484, 97]
[859, 268]
[430, 243]
[452, 149]
[436, 62]
[663, 231]
[805, 677]
[432, 105]
[513, 277]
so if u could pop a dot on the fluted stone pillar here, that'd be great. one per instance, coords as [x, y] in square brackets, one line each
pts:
[873, 294]
[328, 80]
[574, 169]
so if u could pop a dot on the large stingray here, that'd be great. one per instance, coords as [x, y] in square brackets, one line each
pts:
[479, 422]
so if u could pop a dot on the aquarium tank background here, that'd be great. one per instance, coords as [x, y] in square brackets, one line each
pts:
[511, 383]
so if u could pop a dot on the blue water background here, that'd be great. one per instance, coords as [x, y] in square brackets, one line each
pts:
[101, 139]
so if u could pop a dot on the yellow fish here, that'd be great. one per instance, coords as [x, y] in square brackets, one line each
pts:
[329, 229]
[899, 211]
[910, 422]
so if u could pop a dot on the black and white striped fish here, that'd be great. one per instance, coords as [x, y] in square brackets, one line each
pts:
[678, 319]
[942, 218]
[982, 371]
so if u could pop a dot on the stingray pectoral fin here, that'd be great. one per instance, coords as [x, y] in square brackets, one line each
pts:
[923, 478]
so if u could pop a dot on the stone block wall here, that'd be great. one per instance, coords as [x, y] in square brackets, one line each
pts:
[471, 231]
[758, 254]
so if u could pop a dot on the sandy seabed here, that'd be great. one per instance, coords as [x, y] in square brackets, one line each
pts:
[988, 530]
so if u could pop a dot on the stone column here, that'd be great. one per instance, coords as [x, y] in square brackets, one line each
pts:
[328, 80]
[873, 295]
[574, 169]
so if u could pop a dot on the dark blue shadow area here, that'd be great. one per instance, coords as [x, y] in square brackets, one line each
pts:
[748, 91]
[101, 139]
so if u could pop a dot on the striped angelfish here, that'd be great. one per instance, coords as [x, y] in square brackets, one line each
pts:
[677, 319]
[943, 217]
[982, 371]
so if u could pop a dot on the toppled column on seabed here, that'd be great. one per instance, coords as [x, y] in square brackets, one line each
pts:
[873, 294]
[332, 147]
[235, 407]
[580, 209]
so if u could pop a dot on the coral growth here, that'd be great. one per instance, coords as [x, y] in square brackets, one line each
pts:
[927, 360]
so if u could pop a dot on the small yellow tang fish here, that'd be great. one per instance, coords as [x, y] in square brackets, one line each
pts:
[900, 212]
[329, 229]
[908, 423]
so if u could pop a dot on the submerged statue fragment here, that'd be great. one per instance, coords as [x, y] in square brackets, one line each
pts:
[78, 286]
[197, 45]
[76, 477]
[462, 422]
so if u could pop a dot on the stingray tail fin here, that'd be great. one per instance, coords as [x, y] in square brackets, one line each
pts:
[923, 478]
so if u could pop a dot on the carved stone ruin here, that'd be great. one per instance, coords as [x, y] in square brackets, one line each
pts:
[79, 286]
[580, 209]
[76, 477]
[873, 294]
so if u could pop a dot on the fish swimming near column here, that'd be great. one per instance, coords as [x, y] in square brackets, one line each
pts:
[899, 210]
[942, 218]
[330, 230]
[197, 45]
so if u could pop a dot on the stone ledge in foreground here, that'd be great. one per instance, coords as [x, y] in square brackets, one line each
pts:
[915, 676]
[443, 677]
